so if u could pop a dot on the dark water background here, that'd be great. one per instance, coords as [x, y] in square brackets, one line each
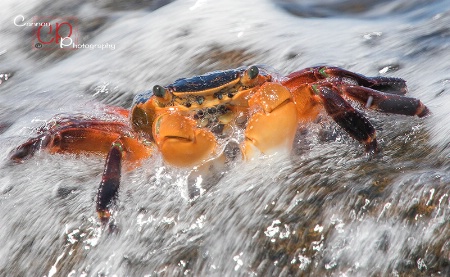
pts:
[326, 210]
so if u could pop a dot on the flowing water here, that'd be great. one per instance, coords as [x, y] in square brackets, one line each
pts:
[327, 209]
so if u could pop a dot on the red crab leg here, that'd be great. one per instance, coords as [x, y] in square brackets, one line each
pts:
[384, 94]
[385, 102]
[68, 140]
[73, 136]
[339, 75]
[351, 120]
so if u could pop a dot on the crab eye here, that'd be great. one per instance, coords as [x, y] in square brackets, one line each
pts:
[159, 91]
[253, 72]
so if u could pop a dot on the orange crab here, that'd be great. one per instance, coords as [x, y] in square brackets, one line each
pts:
[190, 120]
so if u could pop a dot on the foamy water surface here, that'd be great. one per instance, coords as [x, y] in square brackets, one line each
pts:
[325, 209]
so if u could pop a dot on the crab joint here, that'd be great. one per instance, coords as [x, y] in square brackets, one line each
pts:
[315, 89]
[323, 72]
[117, 145]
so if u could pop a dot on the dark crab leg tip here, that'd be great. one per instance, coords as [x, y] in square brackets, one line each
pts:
[371, 146]
[402, 105]
[109, 186]
[19, 155]
[422, 110]
[29, 148]
[104, 216]
[385, 102]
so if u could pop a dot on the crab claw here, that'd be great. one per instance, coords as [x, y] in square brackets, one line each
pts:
[181, 142]
[273, 124]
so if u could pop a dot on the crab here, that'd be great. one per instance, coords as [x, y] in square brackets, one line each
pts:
[190, 120]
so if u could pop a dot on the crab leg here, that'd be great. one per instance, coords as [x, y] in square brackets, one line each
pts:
[29, 148]
[351, 120]
[338, 75]
[70, 139]
[109, 186]
[72, 135]
[385, 102]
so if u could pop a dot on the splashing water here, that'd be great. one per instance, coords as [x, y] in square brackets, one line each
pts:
[327, 209]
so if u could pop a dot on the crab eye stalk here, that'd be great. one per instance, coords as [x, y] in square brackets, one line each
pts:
[159, 91]
[250, 77]
[252, 72]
